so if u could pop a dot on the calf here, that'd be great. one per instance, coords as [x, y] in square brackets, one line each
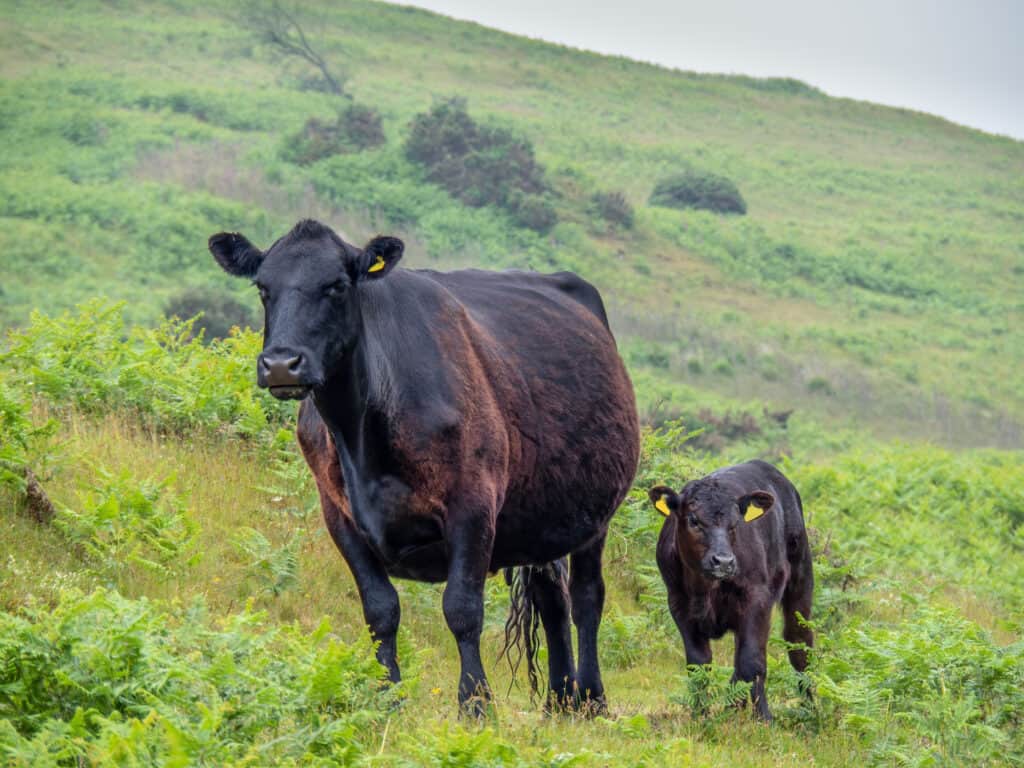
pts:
[732, 545]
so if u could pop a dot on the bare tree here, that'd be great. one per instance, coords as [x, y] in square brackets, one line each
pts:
[277, 25]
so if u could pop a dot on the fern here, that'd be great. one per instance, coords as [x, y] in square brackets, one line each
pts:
[275, 568]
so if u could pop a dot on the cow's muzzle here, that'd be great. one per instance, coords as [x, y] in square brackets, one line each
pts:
[284, 373]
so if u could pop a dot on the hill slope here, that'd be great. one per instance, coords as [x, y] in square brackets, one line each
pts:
[876, 279]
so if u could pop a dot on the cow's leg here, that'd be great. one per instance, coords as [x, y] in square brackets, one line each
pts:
[380, 600]
[751, 658]
[586, 590]
[470, 545]
[551, 599]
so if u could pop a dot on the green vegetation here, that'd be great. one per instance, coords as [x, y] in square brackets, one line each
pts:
[121, 637]
[164, 574]
[698, 189]
[480, 165]
[880, 253]
[356, 128]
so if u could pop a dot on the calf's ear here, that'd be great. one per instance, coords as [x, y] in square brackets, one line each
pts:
[379, 257]
[755, 504]
[236, 255]
[665, 500]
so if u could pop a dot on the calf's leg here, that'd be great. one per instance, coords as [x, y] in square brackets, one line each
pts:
[797, 600]
[751, 658]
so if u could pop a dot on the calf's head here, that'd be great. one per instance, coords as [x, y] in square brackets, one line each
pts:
[308, 282]
[708, 515]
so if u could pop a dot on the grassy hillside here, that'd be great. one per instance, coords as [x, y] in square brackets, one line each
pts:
[876, 278]
[184, 605]
[177, 601]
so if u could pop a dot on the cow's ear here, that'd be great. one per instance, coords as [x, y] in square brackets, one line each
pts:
[236, 255]
[379, 257]
[755, 504]
[665, 500]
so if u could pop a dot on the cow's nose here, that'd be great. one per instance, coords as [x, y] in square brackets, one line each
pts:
[723, 561]
[281, 370]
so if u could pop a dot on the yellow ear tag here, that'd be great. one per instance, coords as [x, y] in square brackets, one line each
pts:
[752, 513]
[662, 507]
[378, 265]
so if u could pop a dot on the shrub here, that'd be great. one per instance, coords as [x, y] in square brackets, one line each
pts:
[533, 212]
[121, 521]
[957, 691]
[356, 128]
[25, 450]
[698, 189]
[480, 164]
[276, 568]
[614, 208]
[103, 680]
[84, 130]
[819, 385]
[215, 313]
[362, 126]
[165, 375]
[15, 431]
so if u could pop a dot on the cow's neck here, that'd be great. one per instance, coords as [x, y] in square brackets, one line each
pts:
[356, 422]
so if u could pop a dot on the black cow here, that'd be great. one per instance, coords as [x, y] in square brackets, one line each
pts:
[734, 544]
[459, 423]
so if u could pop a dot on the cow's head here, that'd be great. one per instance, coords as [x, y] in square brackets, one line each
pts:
[308, 283]
[707, 516]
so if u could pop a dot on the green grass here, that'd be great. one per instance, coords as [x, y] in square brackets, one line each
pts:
[940, 617]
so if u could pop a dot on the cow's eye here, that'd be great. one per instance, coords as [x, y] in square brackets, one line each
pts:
[335, 289]
[693, 521]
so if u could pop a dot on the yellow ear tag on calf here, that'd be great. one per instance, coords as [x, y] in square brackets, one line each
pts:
[378, 265]
[752, 513]
[662, 507]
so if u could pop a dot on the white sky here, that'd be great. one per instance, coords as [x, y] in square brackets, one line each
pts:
[961, 60]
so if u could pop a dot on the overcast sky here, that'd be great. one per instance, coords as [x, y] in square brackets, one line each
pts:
[961, 60]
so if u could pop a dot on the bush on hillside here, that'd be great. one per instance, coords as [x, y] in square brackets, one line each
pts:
[614, 208]
[533, 212]
[480, 164]
[218, 312]
[356, 128]
[698, 189]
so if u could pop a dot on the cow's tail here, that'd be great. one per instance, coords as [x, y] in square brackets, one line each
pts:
[522, 628]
